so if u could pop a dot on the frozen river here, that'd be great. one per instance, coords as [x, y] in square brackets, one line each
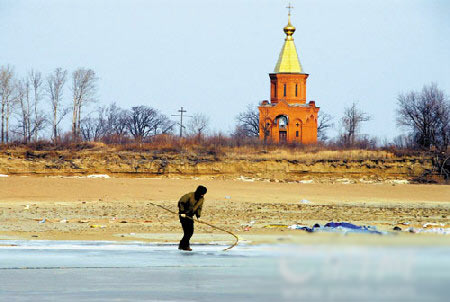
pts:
[111, 271]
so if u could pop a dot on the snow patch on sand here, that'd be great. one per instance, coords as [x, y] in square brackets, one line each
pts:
[398, 181]
[98, 176]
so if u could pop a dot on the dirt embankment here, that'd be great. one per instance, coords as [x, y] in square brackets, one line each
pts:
[327, 166]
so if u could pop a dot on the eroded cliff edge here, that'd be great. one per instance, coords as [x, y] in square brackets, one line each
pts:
[359, 165]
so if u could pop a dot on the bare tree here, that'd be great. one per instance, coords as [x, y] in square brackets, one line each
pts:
[239, 132]
[248, 121]
[351, 123]
[6, 97]
[84, 87]
[115, 120]
[10, 105]
[38, 121]
[403, 142]
[93, 128]
[143, 121]
[119, 125]
[30, 121]
[426, 115]
[324, 122]
[264, 124]
[54, 89]
[166, 126]
[23, 99]
[197, 125]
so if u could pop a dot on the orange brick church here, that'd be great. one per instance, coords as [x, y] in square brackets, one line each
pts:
[287, 117]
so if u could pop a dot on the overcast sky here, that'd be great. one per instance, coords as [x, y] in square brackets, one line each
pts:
[214, 57]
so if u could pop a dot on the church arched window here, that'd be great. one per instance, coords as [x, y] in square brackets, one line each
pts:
[296, 89]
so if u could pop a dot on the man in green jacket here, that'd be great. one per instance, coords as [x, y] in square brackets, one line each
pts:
[189, 205]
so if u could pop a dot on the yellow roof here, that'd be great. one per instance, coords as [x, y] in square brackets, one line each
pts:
[288, 60]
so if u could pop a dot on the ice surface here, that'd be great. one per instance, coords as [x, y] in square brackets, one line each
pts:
[136, 271]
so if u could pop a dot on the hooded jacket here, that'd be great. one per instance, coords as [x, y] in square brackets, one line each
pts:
[190, 206]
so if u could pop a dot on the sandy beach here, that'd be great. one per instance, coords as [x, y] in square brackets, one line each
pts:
[64, 208]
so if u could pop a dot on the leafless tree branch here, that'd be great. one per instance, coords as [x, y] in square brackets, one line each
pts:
[426, 115]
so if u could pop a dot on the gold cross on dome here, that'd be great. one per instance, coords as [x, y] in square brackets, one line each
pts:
[289, 7]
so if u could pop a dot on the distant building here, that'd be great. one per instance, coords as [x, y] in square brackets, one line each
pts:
[287, 117]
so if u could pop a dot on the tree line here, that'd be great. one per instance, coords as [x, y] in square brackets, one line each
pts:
[22, 100]
[24, 119]
[34, 106]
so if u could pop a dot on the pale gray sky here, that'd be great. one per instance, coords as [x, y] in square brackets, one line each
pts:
[213, 57]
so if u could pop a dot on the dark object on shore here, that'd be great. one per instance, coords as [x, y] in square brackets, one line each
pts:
[396, 228]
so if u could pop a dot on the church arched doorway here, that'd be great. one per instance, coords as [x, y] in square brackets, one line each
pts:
[282, 121]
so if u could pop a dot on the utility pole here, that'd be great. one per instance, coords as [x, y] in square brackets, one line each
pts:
[181, 111]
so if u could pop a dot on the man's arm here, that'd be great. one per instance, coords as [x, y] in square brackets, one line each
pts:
[183, 204]
[198, 213]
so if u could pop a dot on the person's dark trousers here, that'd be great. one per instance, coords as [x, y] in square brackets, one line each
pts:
[188, 229]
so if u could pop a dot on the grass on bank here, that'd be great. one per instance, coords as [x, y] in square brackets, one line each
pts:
[221, 147]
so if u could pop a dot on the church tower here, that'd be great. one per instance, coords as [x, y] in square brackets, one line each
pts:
[287, 117]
